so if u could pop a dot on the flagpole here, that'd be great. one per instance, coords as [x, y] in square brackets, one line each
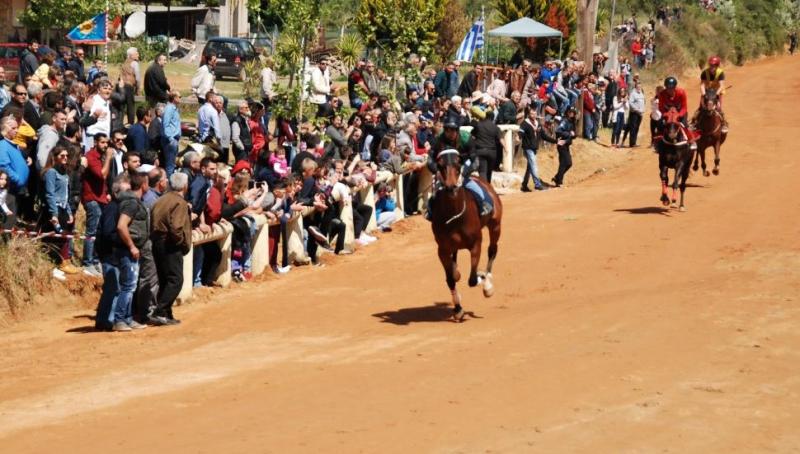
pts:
[105, 46]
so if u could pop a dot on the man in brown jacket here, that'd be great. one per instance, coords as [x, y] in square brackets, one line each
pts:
[131, 77]
[172, 239]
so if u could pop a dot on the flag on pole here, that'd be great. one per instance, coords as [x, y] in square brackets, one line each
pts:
[473, 40]
[92, 31]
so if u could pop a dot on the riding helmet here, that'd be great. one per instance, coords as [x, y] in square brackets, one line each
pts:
[450, 124]
[572, 110]
[670, 82]
[714, 61]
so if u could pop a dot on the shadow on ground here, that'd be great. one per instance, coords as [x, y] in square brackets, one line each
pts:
[438, 312]
[644, 210]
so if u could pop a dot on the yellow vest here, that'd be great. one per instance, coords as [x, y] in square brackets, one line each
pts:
[713, 81]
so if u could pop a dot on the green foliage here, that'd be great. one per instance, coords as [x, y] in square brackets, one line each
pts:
[251, 87]
[349, 49]
[739, 31]
[287, 102]
[148, 49]
[288, 52]
[66, 14]
[451, 30]
[558, 14]
[400, 27]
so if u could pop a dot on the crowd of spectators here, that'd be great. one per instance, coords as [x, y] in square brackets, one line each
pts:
[75, 140]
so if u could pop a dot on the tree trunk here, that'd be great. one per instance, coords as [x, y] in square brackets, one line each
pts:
[587, 23]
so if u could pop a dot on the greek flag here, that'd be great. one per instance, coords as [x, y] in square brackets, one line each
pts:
[473, 40]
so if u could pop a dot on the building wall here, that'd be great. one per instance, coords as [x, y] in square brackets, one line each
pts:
[9, 10]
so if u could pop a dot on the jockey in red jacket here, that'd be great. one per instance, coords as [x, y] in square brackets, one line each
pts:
[673, 97]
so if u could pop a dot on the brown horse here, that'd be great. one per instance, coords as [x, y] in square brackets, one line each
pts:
[457, 224]
[709, 128]
[674, 152]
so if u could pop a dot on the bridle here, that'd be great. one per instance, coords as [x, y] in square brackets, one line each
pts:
[455, 188]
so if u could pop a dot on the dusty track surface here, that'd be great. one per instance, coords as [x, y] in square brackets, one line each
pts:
[617, 327]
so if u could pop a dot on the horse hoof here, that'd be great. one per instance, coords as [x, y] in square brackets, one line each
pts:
[706, 173]
[488, 291]
[716, 171]
[674, 204]
[696, 168]
[664, 200]
[473, 281]
[458, 314]
[682, 209]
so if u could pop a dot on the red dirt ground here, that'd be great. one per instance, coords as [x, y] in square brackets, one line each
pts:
[617, 326]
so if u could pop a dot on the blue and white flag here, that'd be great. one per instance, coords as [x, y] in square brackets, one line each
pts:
[92, 31]
[473, 40]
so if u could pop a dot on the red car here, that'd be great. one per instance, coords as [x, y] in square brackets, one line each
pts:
[9, 58]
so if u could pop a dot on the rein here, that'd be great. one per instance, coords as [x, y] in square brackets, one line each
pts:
[463, 209]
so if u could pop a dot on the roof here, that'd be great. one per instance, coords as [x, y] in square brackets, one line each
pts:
[159, 8]
[525, 28]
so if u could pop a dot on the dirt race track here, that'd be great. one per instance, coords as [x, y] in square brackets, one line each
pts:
[617, 326]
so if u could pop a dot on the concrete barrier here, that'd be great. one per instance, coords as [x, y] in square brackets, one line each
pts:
[507, 139]
[259, 259]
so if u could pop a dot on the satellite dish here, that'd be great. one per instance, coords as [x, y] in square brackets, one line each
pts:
[135, 24]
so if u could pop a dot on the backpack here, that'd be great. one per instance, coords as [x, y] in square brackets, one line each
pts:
[107, 235]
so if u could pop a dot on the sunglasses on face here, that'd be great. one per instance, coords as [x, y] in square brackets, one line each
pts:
[20, 93]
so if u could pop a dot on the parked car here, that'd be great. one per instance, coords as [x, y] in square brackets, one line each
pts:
[231, 54]
[10, 54]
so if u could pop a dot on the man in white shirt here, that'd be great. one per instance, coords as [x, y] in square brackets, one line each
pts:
[101, 111]
[320, 85]
[268, 82]
[203, 80]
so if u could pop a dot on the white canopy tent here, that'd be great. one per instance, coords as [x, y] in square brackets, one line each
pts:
[528, 28]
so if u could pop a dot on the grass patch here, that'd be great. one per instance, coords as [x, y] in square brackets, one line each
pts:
[24, 274]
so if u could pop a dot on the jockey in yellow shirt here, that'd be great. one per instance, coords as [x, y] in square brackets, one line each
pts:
[712, 78]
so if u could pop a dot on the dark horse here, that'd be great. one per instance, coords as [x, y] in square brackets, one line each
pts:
[709, 127]
[457, 224]
[674, 152]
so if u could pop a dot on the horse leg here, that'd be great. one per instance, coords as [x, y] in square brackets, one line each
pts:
[684, 177]
[716, 157]
[678, 171]
[456, 273]
[448, 265]
[702, 153]
[664, 180]
[474, 256]
[494, 236]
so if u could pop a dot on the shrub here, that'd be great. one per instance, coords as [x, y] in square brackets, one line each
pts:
[24, 274]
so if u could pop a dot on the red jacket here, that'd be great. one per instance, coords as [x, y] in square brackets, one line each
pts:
[213, 210]
[258, 138]
[677, 101]
[94, 184]
[636, 48]
[588, 101]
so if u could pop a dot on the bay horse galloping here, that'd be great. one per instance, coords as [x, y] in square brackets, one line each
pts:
[674, 152]
[709, 126]
[457, 224]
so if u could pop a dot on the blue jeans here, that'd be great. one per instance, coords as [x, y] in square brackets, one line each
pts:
[104, 319]
[476, 190]
[532, 171]
[197, 266]
[170, 146]
[618, 125]
[588, 125]
[562, 101]
[573, 96]
[128, 278]
[93, 213]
